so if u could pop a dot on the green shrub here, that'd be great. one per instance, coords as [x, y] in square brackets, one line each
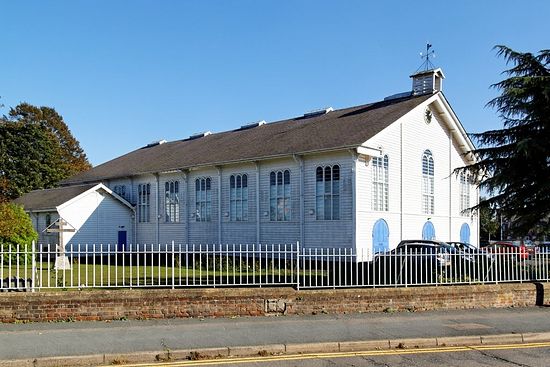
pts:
[16, 231]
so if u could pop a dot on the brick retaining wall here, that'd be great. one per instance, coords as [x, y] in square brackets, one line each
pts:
[226, 302]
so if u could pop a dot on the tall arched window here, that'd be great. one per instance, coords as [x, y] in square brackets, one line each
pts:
[120, 190]
[144, 202]
[327, 189]
[380, 183]
[464, 192]
[238, 197]
[279, 195]
[172, 201]
[203, 199]
[427, 183]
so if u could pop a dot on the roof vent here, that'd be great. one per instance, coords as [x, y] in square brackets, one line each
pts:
[200, 135]
[154, 143]
[254, 124]
[319, 112]
[398, 96]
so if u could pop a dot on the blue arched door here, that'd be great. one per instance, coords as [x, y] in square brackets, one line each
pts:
[465, 233]
[428, 231]
[380, 236]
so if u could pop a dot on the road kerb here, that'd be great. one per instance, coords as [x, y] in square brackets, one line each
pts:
[17, 363]
[258, 350]
[312, 347]
[502, 339]
[457, 341]
[535, 337]
[89, 360]
[356, 346]
[123, 358]
[413, 343]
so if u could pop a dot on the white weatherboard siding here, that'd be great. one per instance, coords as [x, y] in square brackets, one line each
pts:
[172, 231]
[146, 231]
[283, 232]
[39, 224]
[238, 232]
[203, 232]
[97, 218]
[404, 142]
[328, 233]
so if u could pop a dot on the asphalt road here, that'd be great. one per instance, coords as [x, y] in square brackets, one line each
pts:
[501, 356]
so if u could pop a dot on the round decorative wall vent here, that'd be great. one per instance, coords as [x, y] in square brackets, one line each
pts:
[427, 115]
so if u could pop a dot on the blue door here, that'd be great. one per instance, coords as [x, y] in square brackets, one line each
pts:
[465, 233]
[428, 232]
[121, 240]
[380, 236]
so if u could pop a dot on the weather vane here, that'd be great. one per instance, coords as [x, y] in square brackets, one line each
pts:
[427, 64]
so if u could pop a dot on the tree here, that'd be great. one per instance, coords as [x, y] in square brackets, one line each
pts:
[514, 162]
[16, 231]
[37, 150]
[47, 118]
[488, 223]
[28, 160]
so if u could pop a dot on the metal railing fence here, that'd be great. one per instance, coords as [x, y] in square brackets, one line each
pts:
[173, 265]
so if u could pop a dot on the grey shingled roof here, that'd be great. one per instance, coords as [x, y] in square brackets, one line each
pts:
[50, 198]
[338, 129]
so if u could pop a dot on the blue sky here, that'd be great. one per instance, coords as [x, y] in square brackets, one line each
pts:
[125, 73]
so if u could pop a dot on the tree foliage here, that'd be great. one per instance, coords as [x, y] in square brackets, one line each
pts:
[514, 162]
[16, 230]
[28, 160]
[37, 150]
[488, 223]
[72, 155]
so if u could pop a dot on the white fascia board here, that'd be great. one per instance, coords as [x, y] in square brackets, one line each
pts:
[365, 150]
[97, 187]
[453, 123]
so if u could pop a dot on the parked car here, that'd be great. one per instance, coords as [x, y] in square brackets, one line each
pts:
[414, 261]
[542, 248]
[508, 247]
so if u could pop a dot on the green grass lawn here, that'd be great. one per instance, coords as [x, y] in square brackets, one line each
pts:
[108, 274]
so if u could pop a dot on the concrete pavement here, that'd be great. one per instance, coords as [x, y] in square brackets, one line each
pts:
[43, 344]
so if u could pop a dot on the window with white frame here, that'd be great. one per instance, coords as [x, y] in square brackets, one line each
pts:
[279, 196]
[172, 201]
[464, 192]
[238, 197]
[327, 187]
[203, 199]
[380, 183]
[144, 203]
[428, 183]
[120, 190]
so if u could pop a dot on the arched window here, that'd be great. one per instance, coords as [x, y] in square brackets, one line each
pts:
[464, 193]
[172, 201]
[428, 231]
[427, 183]
[238, 197]
[327, 203]
[279, 195]
[465, 233]
[380, 183]
[144, 202]
[203, 199]
[380, 237]
[120, 190]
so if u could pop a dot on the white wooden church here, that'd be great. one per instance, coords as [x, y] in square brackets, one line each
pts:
[362, 177]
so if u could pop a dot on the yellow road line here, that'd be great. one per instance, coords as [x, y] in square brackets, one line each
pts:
[385, 352]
